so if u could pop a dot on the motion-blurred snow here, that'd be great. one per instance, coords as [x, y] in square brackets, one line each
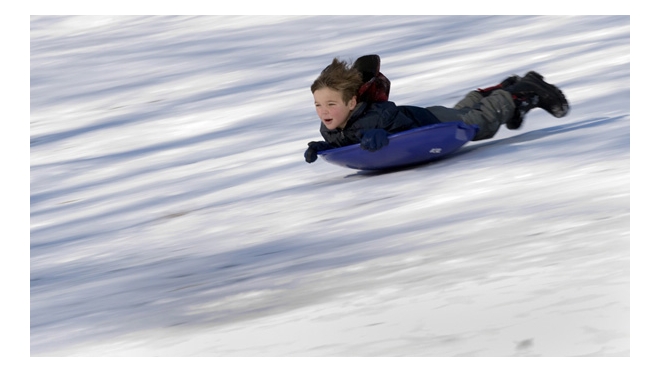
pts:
[172, 212]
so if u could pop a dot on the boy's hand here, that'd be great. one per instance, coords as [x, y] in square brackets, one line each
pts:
[311, 154]
[374, 139]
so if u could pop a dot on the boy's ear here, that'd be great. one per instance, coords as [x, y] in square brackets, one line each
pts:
[352, 103]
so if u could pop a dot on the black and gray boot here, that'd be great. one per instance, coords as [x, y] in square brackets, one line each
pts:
[509, 81]
[532, 92]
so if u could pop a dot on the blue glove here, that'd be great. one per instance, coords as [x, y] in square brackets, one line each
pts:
[311, 154]
[374, 139]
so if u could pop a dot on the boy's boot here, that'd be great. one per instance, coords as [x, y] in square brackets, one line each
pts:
[531, 92]
[511, 80]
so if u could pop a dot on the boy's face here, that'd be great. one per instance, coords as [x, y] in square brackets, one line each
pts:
[332, 110]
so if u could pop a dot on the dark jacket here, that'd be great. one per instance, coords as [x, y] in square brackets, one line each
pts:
[378, 115]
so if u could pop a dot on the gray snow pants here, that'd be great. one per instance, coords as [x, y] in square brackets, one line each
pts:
[487, 113]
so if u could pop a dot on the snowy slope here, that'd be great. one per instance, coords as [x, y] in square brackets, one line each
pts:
[172, 212]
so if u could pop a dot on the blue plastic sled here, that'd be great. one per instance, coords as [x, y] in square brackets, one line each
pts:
[411, 147]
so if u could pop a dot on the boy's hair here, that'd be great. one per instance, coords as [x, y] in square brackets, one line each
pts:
[341, 77]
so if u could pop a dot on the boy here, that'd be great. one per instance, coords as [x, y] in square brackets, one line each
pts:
[348, 117]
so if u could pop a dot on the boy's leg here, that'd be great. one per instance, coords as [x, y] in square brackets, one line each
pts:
[492, 111]
[474, 97]
[470, 100]
[506, 103]
[487, 113]
[445, 114]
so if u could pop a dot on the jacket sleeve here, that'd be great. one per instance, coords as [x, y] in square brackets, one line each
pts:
[387, 116]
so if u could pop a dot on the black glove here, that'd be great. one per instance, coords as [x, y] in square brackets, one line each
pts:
[374, 139]
[314, 148]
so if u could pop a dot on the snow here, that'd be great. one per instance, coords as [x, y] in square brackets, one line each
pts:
[172, 212]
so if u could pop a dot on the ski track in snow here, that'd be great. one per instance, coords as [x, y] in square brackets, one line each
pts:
[172, 212]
